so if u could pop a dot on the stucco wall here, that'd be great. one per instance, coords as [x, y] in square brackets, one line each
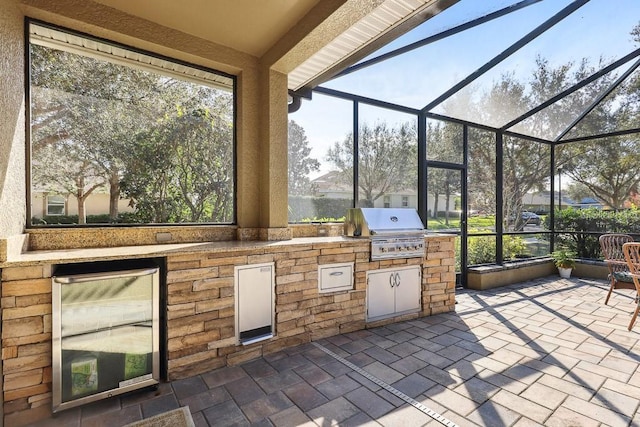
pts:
[12, 128]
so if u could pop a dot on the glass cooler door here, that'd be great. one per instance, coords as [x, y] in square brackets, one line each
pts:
[105, 335]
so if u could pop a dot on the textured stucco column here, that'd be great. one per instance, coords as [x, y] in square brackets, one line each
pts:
[273, 150]
[262, 152]
[248, 157]
[12, 127]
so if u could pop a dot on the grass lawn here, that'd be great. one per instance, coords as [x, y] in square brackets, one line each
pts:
[483, 222]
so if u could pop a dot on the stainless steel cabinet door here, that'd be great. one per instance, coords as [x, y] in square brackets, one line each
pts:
[407, 289]
[380, 294]
[393, 291]
[254, 300]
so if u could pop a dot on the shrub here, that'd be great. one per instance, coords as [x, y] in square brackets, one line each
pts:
[583, 227]
[123, 218]
[306, 208]
[482, 249]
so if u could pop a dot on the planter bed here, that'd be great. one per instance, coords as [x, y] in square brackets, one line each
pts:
[493, 276]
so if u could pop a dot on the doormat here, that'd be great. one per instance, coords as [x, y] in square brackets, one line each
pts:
[180, 417]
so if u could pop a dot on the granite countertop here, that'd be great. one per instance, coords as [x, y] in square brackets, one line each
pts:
[67, 256]
[64, 256]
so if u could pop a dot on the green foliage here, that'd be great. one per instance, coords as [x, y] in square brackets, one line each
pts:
[513, 247]
[481, 222]
[586, 225]
[307, 208]
[608, 168]
[300, 162]
[482, 249]
[123, 218]
[181, 169]
[564, 258]
[475, 223]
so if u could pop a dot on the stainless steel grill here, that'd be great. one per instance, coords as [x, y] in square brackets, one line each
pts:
[394, 233]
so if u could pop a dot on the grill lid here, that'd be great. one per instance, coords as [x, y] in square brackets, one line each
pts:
[364, 222]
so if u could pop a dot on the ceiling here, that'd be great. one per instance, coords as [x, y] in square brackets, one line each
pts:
[249, 26]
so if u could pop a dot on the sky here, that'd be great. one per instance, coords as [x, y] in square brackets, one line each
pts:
[598, 29]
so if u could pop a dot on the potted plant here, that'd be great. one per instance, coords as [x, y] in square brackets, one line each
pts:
[564, 259]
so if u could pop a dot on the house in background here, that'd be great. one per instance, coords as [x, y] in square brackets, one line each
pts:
[540, 202]
[330, 185]
[51, 204]
[590, 202]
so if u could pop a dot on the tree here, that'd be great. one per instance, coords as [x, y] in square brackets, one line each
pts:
[81, 124]
[166, 142]
[180, 170]
[481, 173]
[577, 191]
[387, 159]
[525, 164]
[444, 143]
[300, 164]
[609, 168]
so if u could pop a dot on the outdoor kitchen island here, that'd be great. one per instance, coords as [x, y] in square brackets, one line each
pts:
[201, 304]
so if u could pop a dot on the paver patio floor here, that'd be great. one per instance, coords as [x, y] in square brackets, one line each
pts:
[544, 352]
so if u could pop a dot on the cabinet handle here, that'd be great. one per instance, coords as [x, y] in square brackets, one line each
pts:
[394, 279]
[336, 273]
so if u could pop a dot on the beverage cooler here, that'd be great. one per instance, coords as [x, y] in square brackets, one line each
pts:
[105, 333]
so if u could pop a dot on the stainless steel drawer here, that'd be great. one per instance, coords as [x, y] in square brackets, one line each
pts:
[335, 277]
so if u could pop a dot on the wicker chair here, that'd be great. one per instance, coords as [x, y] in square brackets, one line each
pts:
[632, 255]
[619, 277]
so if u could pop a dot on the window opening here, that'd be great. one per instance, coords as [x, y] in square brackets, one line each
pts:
[136, 138]
[320, 187]
[387, 157]
[56, 205]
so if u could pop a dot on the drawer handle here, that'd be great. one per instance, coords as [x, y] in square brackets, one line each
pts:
[336, 273]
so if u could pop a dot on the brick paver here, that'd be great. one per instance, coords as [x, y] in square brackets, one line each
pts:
[546, 352]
